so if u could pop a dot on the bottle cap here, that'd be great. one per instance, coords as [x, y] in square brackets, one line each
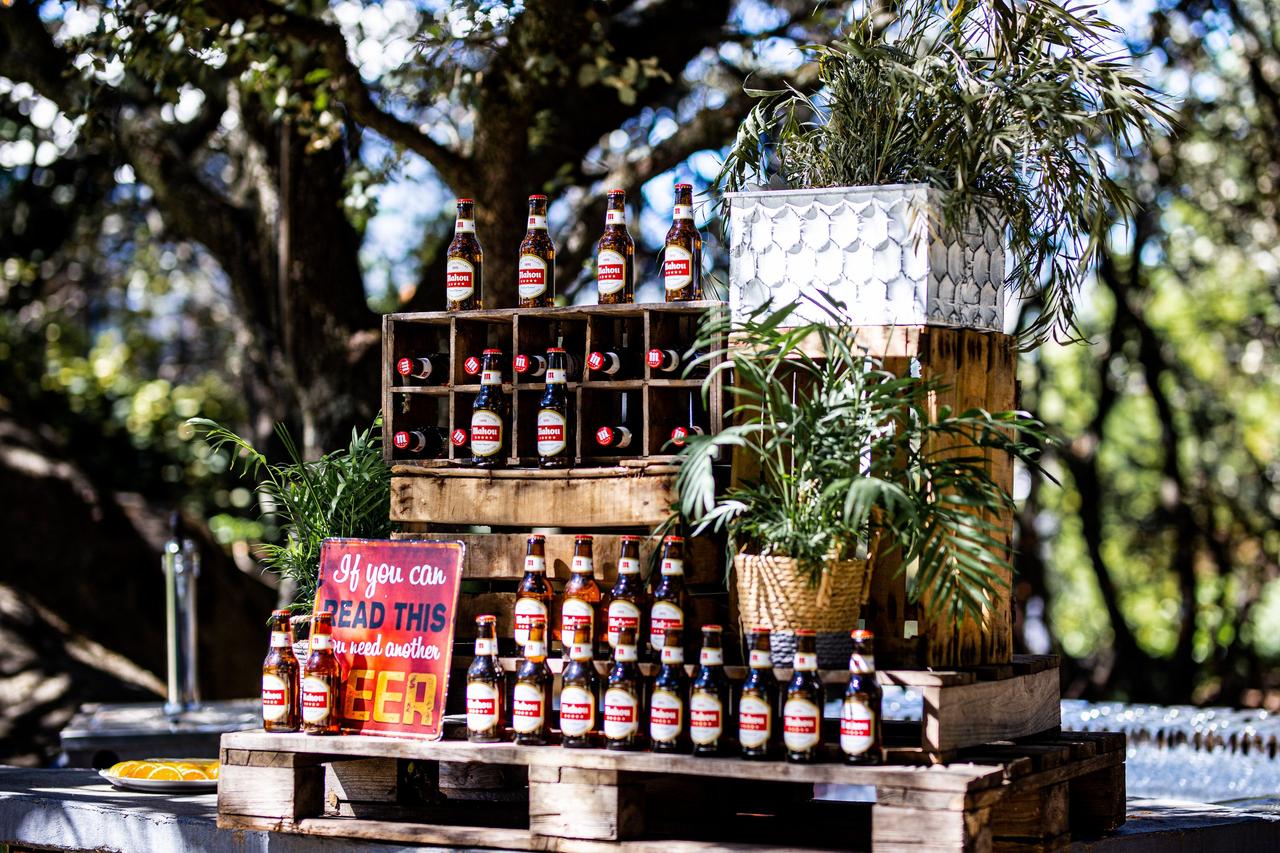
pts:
[712, 628]
[617, 192]
[757, 629]
[584, 536]
[628, 538]
[537, 197]
[862, 634]
[492, 352]
[555, 349]
[281, 612]
[806, 632]
[466, 201]
[684, 186]
[537, 537]
[673, 539]
[400, 439]
[485, 619]
[604, 435]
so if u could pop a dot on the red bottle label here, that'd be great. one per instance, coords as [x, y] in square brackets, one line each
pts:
[458, 437]
[471, 365]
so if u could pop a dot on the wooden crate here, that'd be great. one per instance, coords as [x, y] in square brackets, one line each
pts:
[664, 402]
[1030, 795]
[978, 370]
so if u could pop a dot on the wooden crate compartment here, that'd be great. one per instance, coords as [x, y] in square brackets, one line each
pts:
[604, 407]
[678, 404]
[617, 331]
[1024, 796]
[418, 408]
[534, 335]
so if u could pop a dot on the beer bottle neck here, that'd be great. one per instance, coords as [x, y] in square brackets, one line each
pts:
[861, 663]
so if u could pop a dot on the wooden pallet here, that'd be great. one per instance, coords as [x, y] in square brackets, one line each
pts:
[1033, 795]
[664, 401]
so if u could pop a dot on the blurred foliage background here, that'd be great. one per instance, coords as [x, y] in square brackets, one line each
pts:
[204, 208]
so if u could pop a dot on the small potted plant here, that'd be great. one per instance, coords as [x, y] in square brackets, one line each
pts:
[837, 465]
[944, 153]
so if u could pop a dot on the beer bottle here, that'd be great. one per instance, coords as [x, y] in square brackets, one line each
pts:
[802, 712]
[431, 369]
[581, 599]
[429, 442]
[554, 449]
[757, 731]
[682, 252]
[280, 678]
[669, 597]
[464, 262]
[321, 681]
[681, 433]
[531, 701]
[623, 696]
[673, 363]
[628, 599]
[616, 362]
[709, 698]
[616, 255]
[537, 277]
[579, 694]
[488, 416]
[860, 733]
[486, 685]
[670, 697]
[534, 366]
[623, 434]
[533, 597]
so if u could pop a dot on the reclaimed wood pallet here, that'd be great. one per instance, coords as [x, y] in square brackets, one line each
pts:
[1029, 795]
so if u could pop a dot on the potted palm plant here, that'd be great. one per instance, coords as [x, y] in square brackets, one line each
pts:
[945, 152]
[838, 465]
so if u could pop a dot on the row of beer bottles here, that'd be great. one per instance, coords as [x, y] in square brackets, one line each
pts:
[303, 697]
[488, 438]
[615, 257]
[674, 713]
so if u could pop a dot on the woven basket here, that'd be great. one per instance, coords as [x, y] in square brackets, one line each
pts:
[773, 593]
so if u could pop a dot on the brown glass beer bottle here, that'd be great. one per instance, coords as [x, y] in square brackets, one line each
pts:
[757, 727]
[430, 369]
[616, 255]
[321, 681]
[464, 261]
[668, 705]
[280, 678]
[860, 730]
[682, 252]
[628, 600]
[669, 597]
[623, 696]
[531, 700]
[579, 694]
[536, 285]
[486, 685]
[534, 595]
[580, 604]
[802, 709]
[709, 698]
[554, 440]
[429, 442]
[489, 415]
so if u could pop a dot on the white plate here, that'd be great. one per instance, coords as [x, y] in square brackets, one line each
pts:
[171, 785]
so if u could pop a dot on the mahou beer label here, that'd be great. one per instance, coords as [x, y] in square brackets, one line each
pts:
[677, 267]
[665, 711]
[577, 711]
[315, 699]
[537, 221]
[458, 437]
[856, 723]
[801, 722]
[486, 433]
[615, 217]
[464, 226]
[754, 721]
[556, 375]
[682, 211]
[672, 567]
[862, 664]
[575, 612]
[620, 713]
[528, 611]
[663, 616]
[536, 565]
[583, 565]
[761, 659]
[628, 566]
[552, 430]
[401, 440]
[706, 718]
[528, 711]
[279, 639]
[459, 279]
[711, 657]
[611, 272]
[274, 697]
[486, 646]
[806, 660]
[482, 706]
[533, 274]
[622, 614]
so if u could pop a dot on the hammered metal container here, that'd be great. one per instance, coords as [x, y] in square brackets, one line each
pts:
[871, 248]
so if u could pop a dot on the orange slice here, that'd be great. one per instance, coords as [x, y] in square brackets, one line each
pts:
[165, 774]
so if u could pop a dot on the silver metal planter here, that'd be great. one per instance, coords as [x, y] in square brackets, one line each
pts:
[869, 247]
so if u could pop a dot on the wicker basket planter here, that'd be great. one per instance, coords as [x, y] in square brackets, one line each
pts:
[773, 593]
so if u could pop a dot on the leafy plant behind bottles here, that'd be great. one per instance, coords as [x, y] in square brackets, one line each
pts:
[1012, 109]
[346, 493]
[850, 458]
